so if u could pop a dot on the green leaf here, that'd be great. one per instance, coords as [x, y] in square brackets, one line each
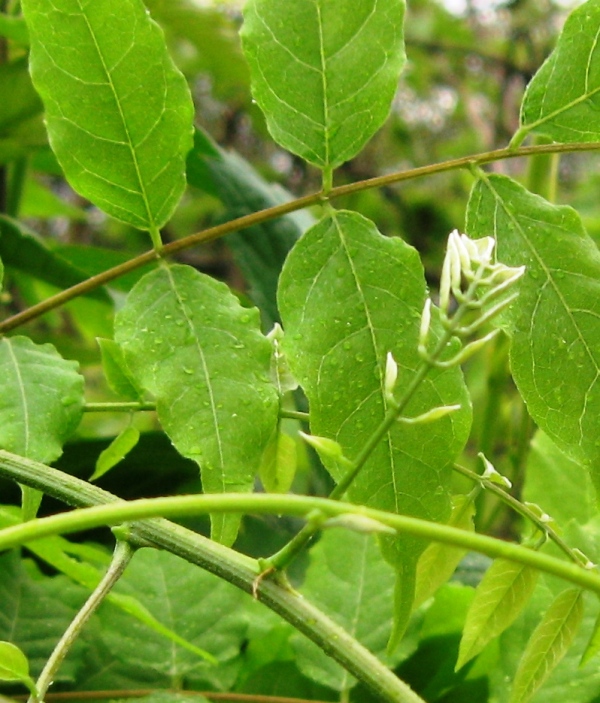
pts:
[72, 561]
[118, 376]
[563, 99]
[116, 451]
[23, 250]
[439, 561]
[186, 600]
[35, 611]
[261, 250]
[278, 465]
[324, 73]
[347, 579]
[118, 112]
[42, 399]
[548, 644]
[555, 323]
[499, 598]
[187, 340]
[348, 296]
[561, 486]
[13, 663]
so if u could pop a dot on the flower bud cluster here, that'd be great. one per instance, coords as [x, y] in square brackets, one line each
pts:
[472, 278]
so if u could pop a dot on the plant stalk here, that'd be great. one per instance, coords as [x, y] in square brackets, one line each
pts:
[226, 563]
[236, 568]
[256, 218]
[121, 558]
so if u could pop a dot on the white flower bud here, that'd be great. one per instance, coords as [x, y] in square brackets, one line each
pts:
[391, 376]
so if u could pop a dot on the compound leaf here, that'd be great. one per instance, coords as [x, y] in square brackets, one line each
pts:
[499, 598]
[118, 111]
[555, 323]
[548, 644]
[187, 340]
[324, 72]
[42, 399]
[347, 297]
[563, 99]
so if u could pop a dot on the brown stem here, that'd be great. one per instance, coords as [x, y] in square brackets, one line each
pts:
[140, 693]
[278, 211]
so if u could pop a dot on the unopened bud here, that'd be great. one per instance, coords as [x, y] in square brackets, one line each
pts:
[490, 474]
[431, 415]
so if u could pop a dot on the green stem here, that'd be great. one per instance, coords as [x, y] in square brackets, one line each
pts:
[16, 184]
[118, 407]
[521, 509]
[135, 406]
[278, 211]
[121, 558]
[294, 415]
[237, 569]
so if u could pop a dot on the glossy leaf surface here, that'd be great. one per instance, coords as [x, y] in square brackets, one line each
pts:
[347, 579]
[42, 399]
[555, 323]
[118, 112]
[347, 297]
[187, 340]
[548, 644]
[563, 99]
[499, 598]
[325, 72]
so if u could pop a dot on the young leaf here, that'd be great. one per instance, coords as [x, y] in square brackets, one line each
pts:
[278, 465]
[118, 112]
[14, 665]
[324, 73]
[116, 451]
[118, 376]
[439, 561]
[548, 644]
[563, 99]
[348, 580]
[348, 296]
[499, 598]
[42, 399]
[555, 323]
[187, 340]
